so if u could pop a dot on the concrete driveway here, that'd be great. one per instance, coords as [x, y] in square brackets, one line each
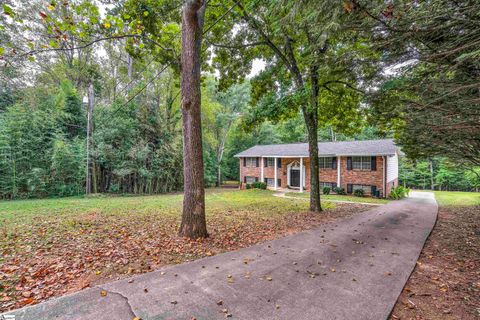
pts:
[349, 269]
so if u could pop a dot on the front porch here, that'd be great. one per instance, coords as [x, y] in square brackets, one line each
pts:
[288, 173]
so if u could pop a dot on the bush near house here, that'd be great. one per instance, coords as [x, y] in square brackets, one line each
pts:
[326, 190]
[340, 191]
[359, 193]
[257, 185]
[399, 193]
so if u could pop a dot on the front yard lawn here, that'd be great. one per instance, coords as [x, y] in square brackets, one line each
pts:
[457, 198]
[446, 281]
[339, 198]
[54, 246]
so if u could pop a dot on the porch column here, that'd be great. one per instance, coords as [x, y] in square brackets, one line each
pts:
[338, 172]
[301, 174]
[261, 168]
[276, 169]
[240, 173]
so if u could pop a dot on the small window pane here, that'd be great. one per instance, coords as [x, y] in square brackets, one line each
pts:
[270, 182]
[250, 180]
[325, 162]
[270, 162]
[366, 188]
[366, 163]
[326, 184]
[357, 163]
[251, 162]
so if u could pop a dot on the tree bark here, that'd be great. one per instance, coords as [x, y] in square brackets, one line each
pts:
[432, 182]
[310, 121]
[89, 173]
[193, 218]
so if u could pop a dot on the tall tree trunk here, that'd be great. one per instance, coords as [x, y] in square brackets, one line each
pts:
[219, 175]
[220, 149]
[312, 127]
[432, 184]
[311, 123]
[89, 173]
[193, 218]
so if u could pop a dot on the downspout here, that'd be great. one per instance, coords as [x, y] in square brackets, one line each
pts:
[338, 172]
[384, 177]
[262, 164]
[240, 173]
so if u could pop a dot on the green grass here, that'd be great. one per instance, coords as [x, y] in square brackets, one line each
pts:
[457, 198]
[218, 201]
[339, 198]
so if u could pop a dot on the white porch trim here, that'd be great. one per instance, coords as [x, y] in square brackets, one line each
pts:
[276, 169]
[338, 172]
[296, 164]
[261, 168]
[301, 175]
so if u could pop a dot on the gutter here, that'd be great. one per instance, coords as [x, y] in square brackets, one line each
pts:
[320, 155]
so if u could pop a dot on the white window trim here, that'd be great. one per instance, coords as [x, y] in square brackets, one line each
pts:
[322, 162]
[270, 162]
[365, 163]
[249, 177]
[250, 162]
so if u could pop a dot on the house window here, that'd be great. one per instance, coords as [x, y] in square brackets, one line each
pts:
[330, 185]
[270, 182]
[362, 163]
[325, 162]
[366, 188]
[269, 162]
[250, 162]
[250, 180]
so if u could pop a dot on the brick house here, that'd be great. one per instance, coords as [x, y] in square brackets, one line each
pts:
[371, 165]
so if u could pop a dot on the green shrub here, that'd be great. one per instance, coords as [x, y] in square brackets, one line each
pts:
[358, 193]
[339, 190]
[399, 193]
[114, 188]
[326, 190]
[248, 186]
[259, 185]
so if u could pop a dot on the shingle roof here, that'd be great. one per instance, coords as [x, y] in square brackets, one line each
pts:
[338, 148]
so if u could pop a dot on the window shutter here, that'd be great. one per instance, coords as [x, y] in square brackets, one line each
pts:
[279, 162]
[349, 188]
[265, 162]
[244, 162]
[349, 163]
[245, 179]
[374, 191]
[374, 163]
[257, 160]
[279, 182]
[334, 162]
[256, 179]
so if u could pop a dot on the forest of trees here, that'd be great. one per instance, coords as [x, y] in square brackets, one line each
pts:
[323, 78]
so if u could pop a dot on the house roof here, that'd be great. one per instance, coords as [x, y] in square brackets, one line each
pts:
[338, 148]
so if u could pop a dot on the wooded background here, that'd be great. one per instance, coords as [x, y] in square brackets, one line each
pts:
[129, 53]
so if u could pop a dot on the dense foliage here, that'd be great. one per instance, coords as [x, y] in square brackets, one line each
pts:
[438, 174]
[322, 77]
[432, 48]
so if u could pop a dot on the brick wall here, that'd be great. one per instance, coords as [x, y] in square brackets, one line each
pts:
[249, 172]
[371, 178]
[365, 177]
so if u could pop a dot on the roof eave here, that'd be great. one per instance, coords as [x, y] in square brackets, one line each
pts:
[320, 155]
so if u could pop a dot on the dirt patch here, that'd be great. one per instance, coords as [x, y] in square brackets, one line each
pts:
[446, 281]
[53, 255]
